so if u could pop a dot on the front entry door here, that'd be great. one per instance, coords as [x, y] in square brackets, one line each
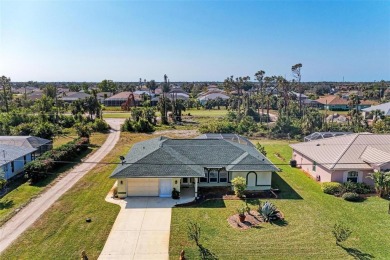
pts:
[165, 188]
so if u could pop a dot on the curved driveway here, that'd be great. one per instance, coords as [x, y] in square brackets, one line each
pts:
[29, 214]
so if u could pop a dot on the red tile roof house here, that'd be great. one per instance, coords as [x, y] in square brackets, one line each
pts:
[344, 158]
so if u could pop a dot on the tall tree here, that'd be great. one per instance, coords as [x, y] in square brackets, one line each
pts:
[260, 76]
[296, 71]
[7, 95]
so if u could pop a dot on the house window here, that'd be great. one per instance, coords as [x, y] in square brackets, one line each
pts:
[12, 166]
[24, 159]
[223, 176]
[204, 179]
[352, 176]
[314, 166]
[213, 175]
[185, 180]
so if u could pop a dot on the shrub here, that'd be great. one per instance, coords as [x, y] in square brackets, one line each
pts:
[38, 169]
[239, 186]
[351, 196]
[100, 125]
[268, 211]
[66, 121]
[331, 187]
[360, 188]
[341, 232]
[140, 126]
[218, 127]
[175, 194]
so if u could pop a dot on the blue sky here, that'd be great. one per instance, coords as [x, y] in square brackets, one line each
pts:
[193, 40]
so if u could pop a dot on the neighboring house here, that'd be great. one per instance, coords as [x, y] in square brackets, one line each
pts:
[101, 96]
[73, 96]
[13, 159]
[118, 99]
[324, 135]
[296, 95]
[385, 108]
[337, 103]
[344, 158]
[40, 145]
[156, 166]
[212, 96]
[35, 95]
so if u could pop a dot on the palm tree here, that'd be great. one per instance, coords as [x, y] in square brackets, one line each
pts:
[381, 181]
[260, 76]
[377, 114]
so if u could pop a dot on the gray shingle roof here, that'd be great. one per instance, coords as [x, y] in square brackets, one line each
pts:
[24, 141]
[10, 153]
[164, 157]
[345, 152]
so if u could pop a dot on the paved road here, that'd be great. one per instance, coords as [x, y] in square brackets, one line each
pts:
[28, 215]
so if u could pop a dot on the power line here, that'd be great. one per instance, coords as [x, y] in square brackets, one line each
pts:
[195, 164]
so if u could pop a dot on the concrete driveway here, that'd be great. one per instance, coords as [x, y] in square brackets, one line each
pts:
[142, 228]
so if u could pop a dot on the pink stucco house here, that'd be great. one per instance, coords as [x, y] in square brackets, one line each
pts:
[344, 158]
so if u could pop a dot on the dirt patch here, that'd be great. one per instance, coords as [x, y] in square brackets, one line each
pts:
[253, 219]
[182, 134]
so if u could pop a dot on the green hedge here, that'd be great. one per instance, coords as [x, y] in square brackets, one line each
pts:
[351, 196]
[38, 169]
[331, 187]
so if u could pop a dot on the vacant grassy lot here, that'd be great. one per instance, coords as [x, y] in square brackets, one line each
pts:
[310, 215]
[116, 115]
[23, 192]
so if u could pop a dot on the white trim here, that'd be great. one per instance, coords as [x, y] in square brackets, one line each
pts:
[359, 178]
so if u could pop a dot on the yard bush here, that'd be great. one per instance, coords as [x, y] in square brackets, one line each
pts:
[99, 125]
[39, 169]
[331, 187]
[218, 127]
[239, 185]
[140, 126]
[351, 196]
[359, 188]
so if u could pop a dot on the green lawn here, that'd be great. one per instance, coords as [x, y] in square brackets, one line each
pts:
[61, 232]
[23, 192]
[310, 215]
[116, 115]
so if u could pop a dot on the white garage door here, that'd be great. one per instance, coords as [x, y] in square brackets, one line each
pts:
[142, 187]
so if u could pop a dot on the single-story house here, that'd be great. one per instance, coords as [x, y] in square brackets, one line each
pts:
[385, 108]
[334, 102]
[323, 135]
[40, 145]
[13, 159]
[156, 166]
[120, 98]
[212, 96]
[73, 96]
[344, 158]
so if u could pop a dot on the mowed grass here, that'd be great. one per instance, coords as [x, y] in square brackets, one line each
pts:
[310, 216]
[62, 232]
[23, 192]
[117, 115]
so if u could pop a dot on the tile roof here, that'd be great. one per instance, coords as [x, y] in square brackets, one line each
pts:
[164, 157]
[10, 153]
[345, 152]
[70, 96]
[336, 100]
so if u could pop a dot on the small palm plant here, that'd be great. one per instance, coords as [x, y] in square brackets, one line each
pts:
[381, 181]
[341, 232]
[268, 211]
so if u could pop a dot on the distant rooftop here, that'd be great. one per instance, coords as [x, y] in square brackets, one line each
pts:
[231, 137]
[323, 135]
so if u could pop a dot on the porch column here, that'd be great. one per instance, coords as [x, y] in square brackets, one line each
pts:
[196, 187]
